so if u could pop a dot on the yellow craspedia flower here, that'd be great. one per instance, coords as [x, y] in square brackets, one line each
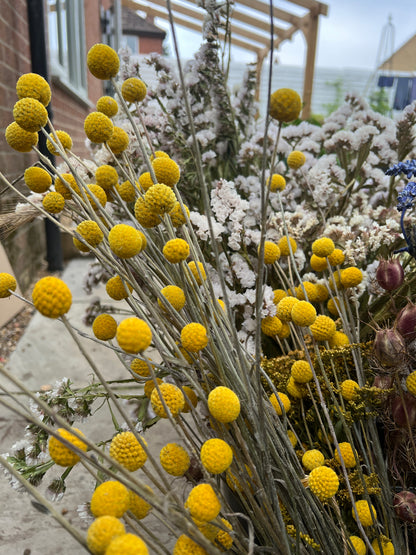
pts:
[190, 394]
[234, 483]
[60, 453]
[160, 198]
[107, 105]
[303, 314]
[186, 546]
[102, 531]
[110, 498]
[387, 547]
[318, 263]
[98, 127]
[33, 85]
[336, 258]
[323, 328]
[106, 177]
[149, 386]
[271, 325]
[64, 141]
[292, 438]
[65, 184]
[198, 271]
[194, 337]
[138, 506]
[311, 291]
[271, 252]
[173, 398]
[335, 281]
[102, 61]
[80, 245]
[322, 293]
[223, 404]
[284, 399]
[104, 327]
[133, 335]
[166, 170]
[351, 277]
[358, 545]
[301, 371]
[349, 389]
[278, 295]
[276, 183]
[347, 455]
[296, 389]
[144, 216]
[8, 284]
[145, 180]
[323, 482]
[284, 333]
[124, 241]
[312, 459]
[216, 455]
[117, 288]
[285, 105]
[296, 159]
[91, 232]
[133, 90]
[52, 297]
[333, 306]
[174, 459]
[339, 339]
[127, 451]
[53, 202]
[367, 514]
[127, 544]
[19, 139]
[177, 216]
[30, 114]
[323, 247]
[37, 179]
[159, 154]
[96, 194]
[410, 380]
[203, 503]
[127, 191]
[173, 295]
[141, 367]
[283, 245]
[176, 250]
[284, 308]
[119, 141]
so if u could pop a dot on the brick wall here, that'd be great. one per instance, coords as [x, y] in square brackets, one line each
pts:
[148, 45]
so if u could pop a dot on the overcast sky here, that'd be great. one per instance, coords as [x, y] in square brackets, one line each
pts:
[348, 37]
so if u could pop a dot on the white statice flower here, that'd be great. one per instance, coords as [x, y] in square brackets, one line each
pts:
[247, 341]
[242, 271]
[200, 223]
[226, 202]
[208, 156]
[268, 306]
[34, 408]
[22, 208]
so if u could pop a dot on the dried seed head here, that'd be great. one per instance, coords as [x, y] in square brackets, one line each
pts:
[406, 322]
[403, 410]
[389, 347]
[404, 504]
[390, 274]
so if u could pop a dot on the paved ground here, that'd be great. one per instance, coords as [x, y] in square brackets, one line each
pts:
[45, 353]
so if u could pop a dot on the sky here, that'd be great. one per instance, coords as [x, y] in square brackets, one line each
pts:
[349, 36]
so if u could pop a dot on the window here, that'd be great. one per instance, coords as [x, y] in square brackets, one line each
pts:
[66, 28]
[132, 41]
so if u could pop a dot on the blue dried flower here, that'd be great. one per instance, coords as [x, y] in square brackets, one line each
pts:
[407, 197]
[408, 168]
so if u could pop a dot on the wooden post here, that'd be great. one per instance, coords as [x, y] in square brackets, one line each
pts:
[259, 65]
[310, 30]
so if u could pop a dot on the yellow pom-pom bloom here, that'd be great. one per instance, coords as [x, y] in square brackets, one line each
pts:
[296, 389]
[159, 154]
[323, 247]
[30, 114]
[160, 198]
[106, 177]
[177, 216]
[387, 547]
[223, 538]
[276, 183]
[194, 337]
[124, 241]
[358, 545]
[186, 546]
[138, 506]
[53, 202]
[32, 85]
[37, 179]
[336, 258]
[102, 61]
[284, 400]
[173, 398]
[64, 142]
[144, 216]
[283, 245]
[96, 194]
[271, 252]
[216, 455]
[141, 367]
[102, 531]
[198, 271]
[333, 306]
[176, 250]
[104, 327]
[107, 105]
[223, 404]
[311, 291]
[98, 127]
[193, 399]
[367, 514]
[323, 328]
[322, 293]
[91, 232]
[146, 181]
[119, 141]
[117, 288]
[149, 386]
[410, 380]
[278, 295]
[271, 325]
[127, 544]
[312, 459]
[19, 139]
[349, 389]
[8, 284]
[127, 191]
[285, 105]
[174, 459]
[285, 307]
[60, 453]
[318, 263]
[203, 503]
[65, 184]
[335, 281]
[351, 277]
[284, 333]
[127, 451]
[133, 335]
[52, 297]
[323, 482]
[166, 170]
[347, 455]
[133, 90]
[110, 498]
[174, 295]
[292, 438]
[296, 159]
[303, 314]
[301, 371]
[339, 339]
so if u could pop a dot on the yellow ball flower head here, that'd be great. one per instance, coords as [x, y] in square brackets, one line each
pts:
[271, 326]
[174, 295]
[276, 183]
[133, 90]
[318, 263]
[311, 291]
[292, 438]
[284, 333]
[141, 367]
[301, 371]
[119, 141]
[285, 307]
[65, 185]
[322, 293]
[176, 250]
[194, 337]
[159, 154]
[335, 281]
[223, 538]
[358, 545]
[278, 295]
[37, 179]
[173, 398]
[104, 327]
[127, 544]
[110, 498]
[339, 339]
[203, 503]
[102, 61]
[283, 245]
[149, 387]
[271, 252]
[30, 114]
[410, 380]
[216, 455]
[124, 241]
[351, 277]
[106, 177]
[127, 451]
[323, 482]
[64, 142]
[133, 335]
[349, 389]
[347, 455]
[8, 284]
[127, 191]
[91, 232]
[285, 105]
[312, 459]
[60, 453]
[223, 404]
[160, 198]
[52, 297]
[296, 389]
[193, 399]
[186, 546]
[144, 216]
[96, 194]
[323, 328]
[284, 400]
[174, 459]
[296, 159]
[117, 288]
[53, 202]
[367, 514]
[323, 247]
[107, 105]
[98, 127]
[336, 258]
[146, 181]
[177, 216]
[333, 306]
[166, 170]
[102, 531]
[19, 139]
[303, 314]
[198, 271]
[32, 85]
[138, 506]
[387, 547]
